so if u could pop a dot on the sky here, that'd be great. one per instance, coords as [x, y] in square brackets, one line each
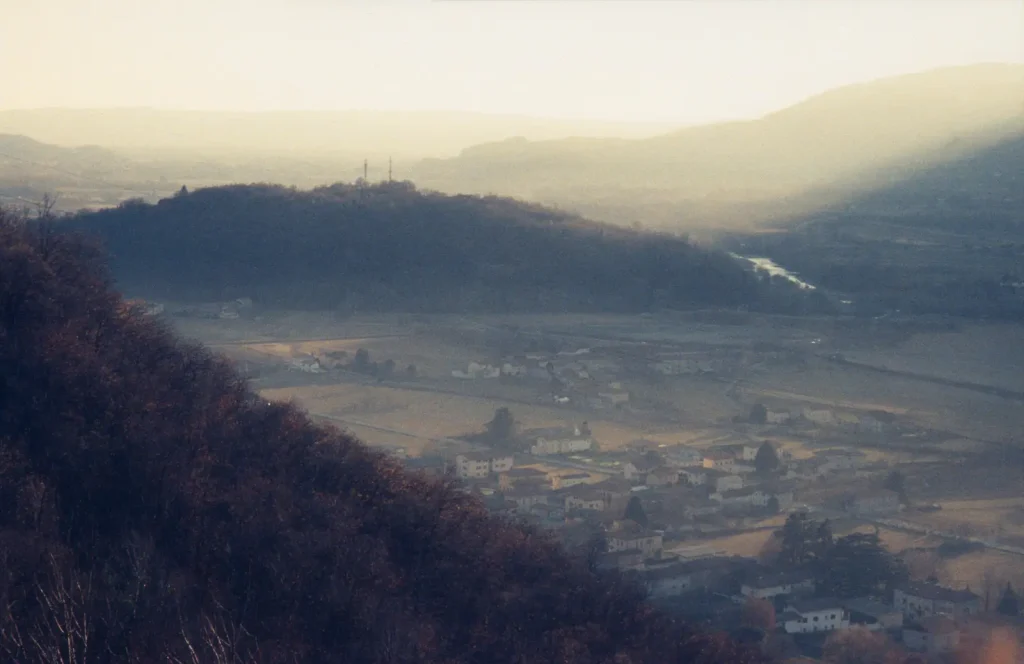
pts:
[626, 60]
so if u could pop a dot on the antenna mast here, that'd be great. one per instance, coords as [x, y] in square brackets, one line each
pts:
[389, 169]
[364, 170]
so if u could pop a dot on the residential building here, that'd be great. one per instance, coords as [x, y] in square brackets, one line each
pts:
[558, 440]
[628, 536]
[820, 417]
[704, 507]
[872, 614]
[613, 489]
[750, 496]
[749, 452]
[919, 600]
[584, 498]
[515, 476]
[824, 614]
[694, 476]
[835, 460]
[569, 480]
[526, 497]
[932, 635]
[662, 476]
[717, 459]
[778, 417]
[476, 465]
[779, 583]
[720, 481]
[636, 469]
[680, 456]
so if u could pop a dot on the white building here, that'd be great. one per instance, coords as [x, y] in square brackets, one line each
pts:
[815, 615]
[750, 496]
[475, 465]
[629, 537]
[558, 440]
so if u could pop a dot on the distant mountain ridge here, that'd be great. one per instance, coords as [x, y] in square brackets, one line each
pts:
[373, 134]
[750, 171]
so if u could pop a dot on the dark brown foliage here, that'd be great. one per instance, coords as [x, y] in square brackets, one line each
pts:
[154, 509]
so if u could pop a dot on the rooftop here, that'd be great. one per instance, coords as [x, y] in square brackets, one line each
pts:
[780, 579]
[525, 472]
[869, 607]
[816, 604]
[552, 432]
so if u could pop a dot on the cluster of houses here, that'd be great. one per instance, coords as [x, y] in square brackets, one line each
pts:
[872, 423]
[578, 376]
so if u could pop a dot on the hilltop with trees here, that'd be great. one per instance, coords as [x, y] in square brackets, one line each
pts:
[388, 247]
[154, 509]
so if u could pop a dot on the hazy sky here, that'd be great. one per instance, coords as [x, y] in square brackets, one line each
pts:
[674, 60]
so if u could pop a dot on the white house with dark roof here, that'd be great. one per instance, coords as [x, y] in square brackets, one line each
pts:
[824, 614]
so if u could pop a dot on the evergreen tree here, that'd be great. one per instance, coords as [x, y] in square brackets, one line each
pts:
[1009, 603]
[758, 414]
[766, 461]
[897, 481]
[858, 565]
[502, 427]
[804, 540]
[635, 511]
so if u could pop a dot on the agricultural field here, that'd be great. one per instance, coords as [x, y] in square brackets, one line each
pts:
[959, 443]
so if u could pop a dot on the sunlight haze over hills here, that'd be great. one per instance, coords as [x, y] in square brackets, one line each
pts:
[678, 62]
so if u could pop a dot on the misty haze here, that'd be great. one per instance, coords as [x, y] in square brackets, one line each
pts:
[481, 332]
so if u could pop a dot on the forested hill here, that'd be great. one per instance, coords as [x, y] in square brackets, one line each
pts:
[390, 247]
[153, 509]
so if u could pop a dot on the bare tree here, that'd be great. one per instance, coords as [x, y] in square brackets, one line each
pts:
[61, 635]
[45, 207]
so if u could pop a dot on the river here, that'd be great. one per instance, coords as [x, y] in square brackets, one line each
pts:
[774, 269]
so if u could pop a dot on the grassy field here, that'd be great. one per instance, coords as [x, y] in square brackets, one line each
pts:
[433, 415]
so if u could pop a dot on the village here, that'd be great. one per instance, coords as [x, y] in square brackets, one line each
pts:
[673, 452]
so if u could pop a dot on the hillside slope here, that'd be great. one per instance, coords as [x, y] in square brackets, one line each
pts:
[949, 239]
[390, 248]
[741, 173]
[153, 509]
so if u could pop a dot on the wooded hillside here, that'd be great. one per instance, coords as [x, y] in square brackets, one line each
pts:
[154, 509]
[388, 247]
